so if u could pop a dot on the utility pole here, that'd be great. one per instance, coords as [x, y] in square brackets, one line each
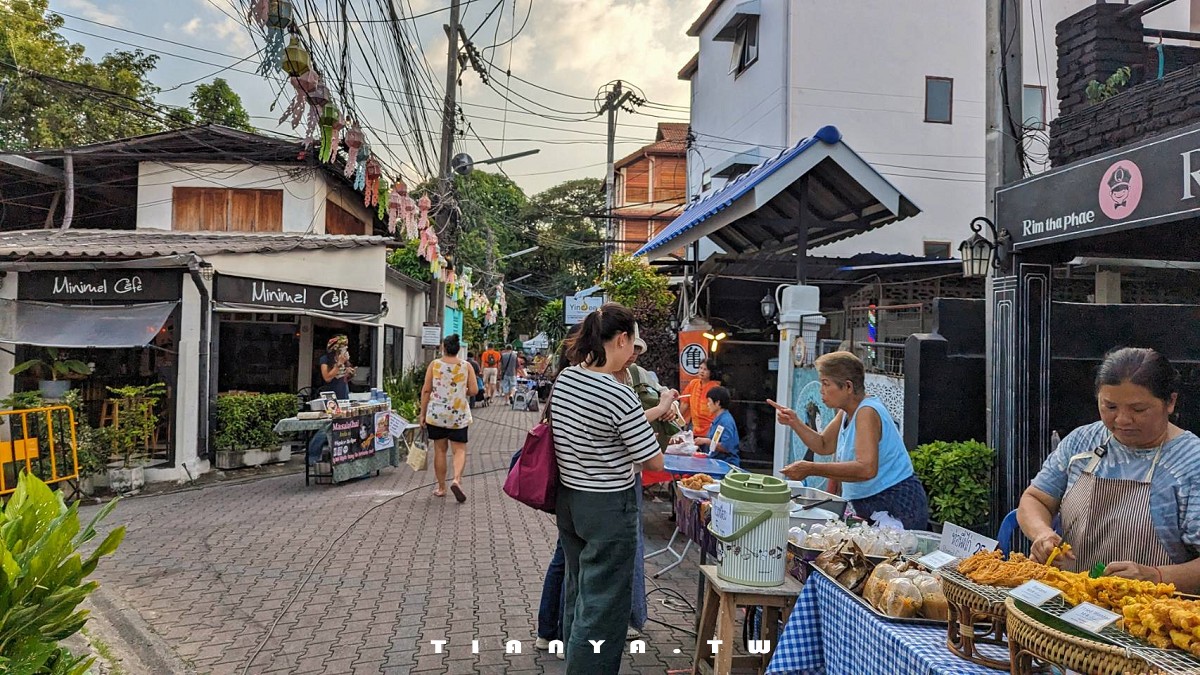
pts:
[613, 101]
[437, 290]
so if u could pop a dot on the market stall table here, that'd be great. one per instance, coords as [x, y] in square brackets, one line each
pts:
[679, 466]
[355, 449]
[830, 632]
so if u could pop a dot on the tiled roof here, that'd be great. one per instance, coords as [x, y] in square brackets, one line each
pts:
[671, 139]
[151, 243]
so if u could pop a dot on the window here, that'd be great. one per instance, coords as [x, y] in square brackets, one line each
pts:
[1033, 107]
[706, 181]
[745, 45]
[937, 249]
[226, 210]
[939, 100]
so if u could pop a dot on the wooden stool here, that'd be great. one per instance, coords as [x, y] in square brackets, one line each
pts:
[721, 600]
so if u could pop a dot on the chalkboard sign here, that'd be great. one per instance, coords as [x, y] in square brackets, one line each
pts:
[352, 438]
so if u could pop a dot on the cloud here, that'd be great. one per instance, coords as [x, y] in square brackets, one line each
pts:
[89, 10]
[228, 34]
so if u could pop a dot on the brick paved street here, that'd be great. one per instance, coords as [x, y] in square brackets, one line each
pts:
[214, 571]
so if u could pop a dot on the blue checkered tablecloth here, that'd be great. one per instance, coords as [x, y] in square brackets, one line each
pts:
[829, 633]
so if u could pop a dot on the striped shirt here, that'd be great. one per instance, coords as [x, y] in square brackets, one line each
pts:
[600, 431]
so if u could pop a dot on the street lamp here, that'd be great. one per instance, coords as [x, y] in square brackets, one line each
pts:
[768, 307]
[979, 254]
[531, 249]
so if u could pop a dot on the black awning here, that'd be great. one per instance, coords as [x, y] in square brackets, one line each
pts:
[47, 324]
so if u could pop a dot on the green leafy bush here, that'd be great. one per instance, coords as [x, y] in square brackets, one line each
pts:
[247, 421]
[42, 578]
[130, 438]
[404, 390]
[958, 478]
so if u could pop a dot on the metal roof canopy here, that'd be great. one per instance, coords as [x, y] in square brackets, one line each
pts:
[814, 193]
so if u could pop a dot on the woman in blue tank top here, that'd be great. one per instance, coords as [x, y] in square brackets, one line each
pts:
[871, 462]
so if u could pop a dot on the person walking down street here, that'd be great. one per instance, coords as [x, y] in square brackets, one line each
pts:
[694, 404]
[491, 365]
[600, 432]
[446, 413]
[508, 372]
[723, 441]
[478, 378]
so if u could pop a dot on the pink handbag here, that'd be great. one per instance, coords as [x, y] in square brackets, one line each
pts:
[533, 478]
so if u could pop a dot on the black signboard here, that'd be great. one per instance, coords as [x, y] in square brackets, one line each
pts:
[127, 286]
[1147, 183]
[352, 438]
[264, 293]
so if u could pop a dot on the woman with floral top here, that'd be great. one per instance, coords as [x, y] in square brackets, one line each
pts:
[450, 383]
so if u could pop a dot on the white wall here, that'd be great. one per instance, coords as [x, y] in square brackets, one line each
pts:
[406, 309]
[360, 268]
[186, 392]
[861, 66]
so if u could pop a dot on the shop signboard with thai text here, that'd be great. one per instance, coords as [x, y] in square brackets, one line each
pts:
[106, 285]
[352, 438]
[266, 293]
[1148, 183]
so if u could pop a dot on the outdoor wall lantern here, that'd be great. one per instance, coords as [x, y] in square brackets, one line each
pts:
[769, 308]
[207, 271]
[980, 254]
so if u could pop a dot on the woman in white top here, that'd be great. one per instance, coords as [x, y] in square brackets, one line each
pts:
[450, 383]
[600, 433]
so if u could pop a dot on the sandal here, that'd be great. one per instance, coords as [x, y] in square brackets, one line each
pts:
[458, 493]
[438, 492]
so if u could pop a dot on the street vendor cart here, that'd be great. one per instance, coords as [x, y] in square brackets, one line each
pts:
[360, 439]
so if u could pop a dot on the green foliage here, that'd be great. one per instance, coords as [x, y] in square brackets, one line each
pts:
[218, 103]
[632, 280]
[561, 221]
[662, 343]
[550, 321]
[92, 458]
[40, 113]
[42, 578]
[247, 421]
[404, 259]
[404, 389]
[1097, 91]
[958, 478]
[56, 365]
[130, 439]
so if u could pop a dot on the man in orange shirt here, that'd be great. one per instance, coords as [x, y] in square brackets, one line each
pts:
[695, 396]
[491, 363]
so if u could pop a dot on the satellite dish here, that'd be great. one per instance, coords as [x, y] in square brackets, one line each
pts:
[461, 164]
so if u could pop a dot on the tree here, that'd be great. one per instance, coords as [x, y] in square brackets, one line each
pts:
[55, 96]
[561, 220]
[218, 103]
[633, 283]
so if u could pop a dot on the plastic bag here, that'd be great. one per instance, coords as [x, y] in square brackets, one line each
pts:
[884, 520]
[901, 599]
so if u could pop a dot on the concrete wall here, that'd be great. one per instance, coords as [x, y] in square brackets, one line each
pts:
[361, 268]
[407, 309]
[187, 393]
[814, 73]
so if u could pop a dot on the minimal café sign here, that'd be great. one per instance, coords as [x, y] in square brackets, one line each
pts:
[264, 293]
[1148, 183]
[105, 285]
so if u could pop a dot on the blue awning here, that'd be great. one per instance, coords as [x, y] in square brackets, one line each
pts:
[758, 211]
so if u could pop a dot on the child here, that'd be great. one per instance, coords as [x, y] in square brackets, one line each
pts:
[723, 428]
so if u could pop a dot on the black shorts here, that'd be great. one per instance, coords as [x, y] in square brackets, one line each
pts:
[454, 435]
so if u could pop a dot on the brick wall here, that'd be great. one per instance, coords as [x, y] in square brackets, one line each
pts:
[1092, 44]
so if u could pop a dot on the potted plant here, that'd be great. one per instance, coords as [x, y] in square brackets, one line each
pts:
[57, 367]
[245, 434]
[129, 439]
[958, 479]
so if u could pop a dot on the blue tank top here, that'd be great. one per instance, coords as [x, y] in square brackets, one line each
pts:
[894, 463]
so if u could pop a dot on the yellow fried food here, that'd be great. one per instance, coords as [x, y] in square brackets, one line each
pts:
[697, 481]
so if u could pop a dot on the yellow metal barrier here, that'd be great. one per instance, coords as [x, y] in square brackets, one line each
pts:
[38, 446]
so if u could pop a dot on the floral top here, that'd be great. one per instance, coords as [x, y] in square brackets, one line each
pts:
[448, 407]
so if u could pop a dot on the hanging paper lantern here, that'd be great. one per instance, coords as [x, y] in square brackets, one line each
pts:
[329, 120]
[371, 187]
[296, 60]
[354, 143]
[302, 85]
[396, 204]
[384, 192]
[280, 15]
[259, 11]
[360, 172]
[423, 206]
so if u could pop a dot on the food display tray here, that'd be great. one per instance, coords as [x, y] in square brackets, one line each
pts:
[915, 621]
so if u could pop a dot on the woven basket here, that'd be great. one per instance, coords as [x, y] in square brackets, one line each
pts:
[1033, 646]
[974, 619]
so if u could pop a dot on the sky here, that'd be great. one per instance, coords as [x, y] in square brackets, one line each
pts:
[567, 46]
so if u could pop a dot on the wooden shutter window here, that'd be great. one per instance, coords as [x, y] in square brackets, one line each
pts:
[341, 221]
[226, 210]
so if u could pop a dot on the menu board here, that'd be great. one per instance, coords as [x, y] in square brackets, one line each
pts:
[352, 438]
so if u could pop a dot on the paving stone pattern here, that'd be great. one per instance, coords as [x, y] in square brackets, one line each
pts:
[219, 571]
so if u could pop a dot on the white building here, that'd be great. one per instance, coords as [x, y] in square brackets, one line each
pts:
[903, 81]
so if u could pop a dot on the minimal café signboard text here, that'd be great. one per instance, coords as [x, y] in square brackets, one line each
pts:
[106, 285]
[1148, 183]
[264, 293]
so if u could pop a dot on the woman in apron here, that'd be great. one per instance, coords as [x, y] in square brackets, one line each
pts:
[1127, 488]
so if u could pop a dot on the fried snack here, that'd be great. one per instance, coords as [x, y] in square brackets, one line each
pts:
[697, 481]
[1165, 623]
[991, 569]
[1108, 592]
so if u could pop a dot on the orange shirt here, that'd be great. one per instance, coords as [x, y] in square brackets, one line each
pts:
[491, 358]
[698, 405]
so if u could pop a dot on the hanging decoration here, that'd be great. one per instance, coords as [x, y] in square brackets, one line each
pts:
[423, 206]
[396, 204]
[371, 187]
[330, 122]
[360, 172]
[384, 194]
[318, 98]
[279, 18]
[354, 143]
[303, 85]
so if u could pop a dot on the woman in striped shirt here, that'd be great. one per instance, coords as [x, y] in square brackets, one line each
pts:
[600, 432]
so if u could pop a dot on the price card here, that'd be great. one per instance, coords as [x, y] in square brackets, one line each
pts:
[936, 559]
[396, 425]
[963, 543]
[1034, 592]
[722, 517]
[1089, 617]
